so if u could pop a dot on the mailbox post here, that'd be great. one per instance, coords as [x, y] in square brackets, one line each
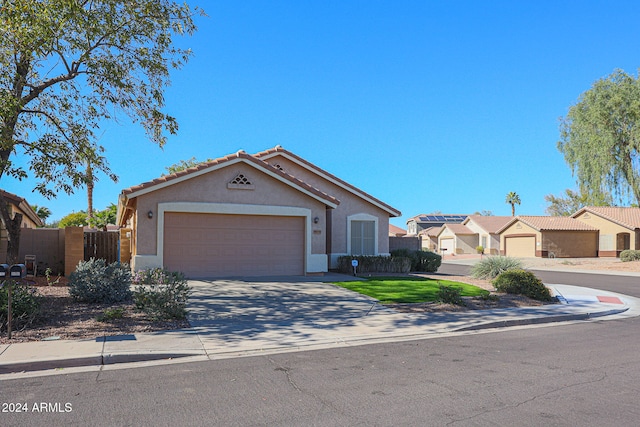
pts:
[16, 271]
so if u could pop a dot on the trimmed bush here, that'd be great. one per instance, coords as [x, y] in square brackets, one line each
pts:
[480, 249]
[522, 282]
[629, 255]
[492, 266]
[449, 295]
[25, 305]
[95, 281]
[161, 294]
[374, 264]
[420, 260]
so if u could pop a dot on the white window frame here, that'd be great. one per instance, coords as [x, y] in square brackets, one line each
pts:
[363, 217]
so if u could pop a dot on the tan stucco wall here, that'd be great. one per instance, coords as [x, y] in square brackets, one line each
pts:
[608, 231]
[349, 205]
[570, 244]
[212, 188]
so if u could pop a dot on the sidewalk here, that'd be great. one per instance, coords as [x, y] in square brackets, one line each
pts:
[378, 324]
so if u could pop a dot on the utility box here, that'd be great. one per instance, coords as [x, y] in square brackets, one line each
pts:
[4, 270]
[18, 271]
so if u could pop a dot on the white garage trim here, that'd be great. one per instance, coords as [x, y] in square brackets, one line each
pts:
[314, 263]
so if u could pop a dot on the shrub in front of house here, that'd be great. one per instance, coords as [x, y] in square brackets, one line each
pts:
[25, 305]
[425, 261]
[449, 295]
[374, 264]
[480, 249]
[95, 281]
[161, 294]
[522, 282]
[492, 266]
[629, 255]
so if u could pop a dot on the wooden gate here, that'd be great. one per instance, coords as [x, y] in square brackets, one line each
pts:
[101, 245]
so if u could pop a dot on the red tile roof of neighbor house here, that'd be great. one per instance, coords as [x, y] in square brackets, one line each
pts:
[219, 161]
[22, 204]
[490, 224]
[396, 231]
[279, 150]
[431, 231]
[551, 223]
[626, 217]
[459, 229]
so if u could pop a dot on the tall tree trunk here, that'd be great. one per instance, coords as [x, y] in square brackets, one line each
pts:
[89, 193]
[12, 225]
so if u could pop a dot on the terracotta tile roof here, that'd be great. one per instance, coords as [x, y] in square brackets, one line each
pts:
[278, 149]
[431, 231]
[551, 223]
[396, 231]
[239, 155]
[459, 229]
[626, 217]
[490, 224]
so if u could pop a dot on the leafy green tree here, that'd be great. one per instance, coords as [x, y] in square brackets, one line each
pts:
[572, 202]
[600, 138]
[513, 199]
[74, 219]
[68, 65]
[184, 164]
[105, 217]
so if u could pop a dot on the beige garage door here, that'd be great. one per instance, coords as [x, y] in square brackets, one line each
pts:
[447, 246]
[521, 246]
[215, 245]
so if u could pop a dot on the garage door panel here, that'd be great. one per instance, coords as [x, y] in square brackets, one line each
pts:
[523, 246]
[209, 245]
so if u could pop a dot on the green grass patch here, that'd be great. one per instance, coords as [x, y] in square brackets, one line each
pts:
[390, 290]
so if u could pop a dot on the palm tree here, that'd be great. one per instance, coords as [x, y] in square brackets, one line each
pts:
[42, 211]
[513, 199]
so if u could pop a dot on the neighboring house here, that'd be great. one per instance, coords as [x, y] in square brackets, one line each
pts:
[272, 213]
[457, 239]
[421, 222]
[619, 228]
[429, 238]
[486, 228]
[546, 236]
[396, 231]
[17, 204]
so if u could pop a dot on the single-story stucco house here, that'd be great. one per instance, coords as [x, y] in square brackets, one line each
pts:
[548, 236]
[271, 213]
[429, 238]
[619, 228]
[486, 228]
[457, 239]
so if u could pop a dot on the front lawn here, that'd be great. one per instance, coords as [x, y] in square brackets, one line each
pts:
[389, 290]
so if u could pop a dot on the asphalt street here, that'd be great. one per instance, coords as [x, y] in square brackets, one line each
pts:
[583, 374]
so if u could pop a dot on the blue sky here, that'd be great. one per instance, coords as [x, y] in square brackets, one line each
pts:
[427, 105]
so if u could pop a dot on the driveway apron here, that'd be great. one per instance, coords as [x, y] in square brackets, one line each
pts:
[247, 315]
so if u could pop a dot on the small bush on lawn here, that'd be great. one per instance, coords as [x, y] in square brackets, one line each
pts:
[25, 305]
[426, 261]
[491, 266]
[95, 281]
[629, 255]
[449, 295]
[161, 294]
[522, 283]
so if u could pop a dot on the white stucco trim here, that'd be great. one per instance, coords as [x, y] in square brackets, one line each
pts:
[362, 217]
[314, 263]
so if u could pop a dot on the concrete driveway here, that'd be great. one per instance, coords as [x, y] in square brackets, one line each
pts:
[236, 315]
